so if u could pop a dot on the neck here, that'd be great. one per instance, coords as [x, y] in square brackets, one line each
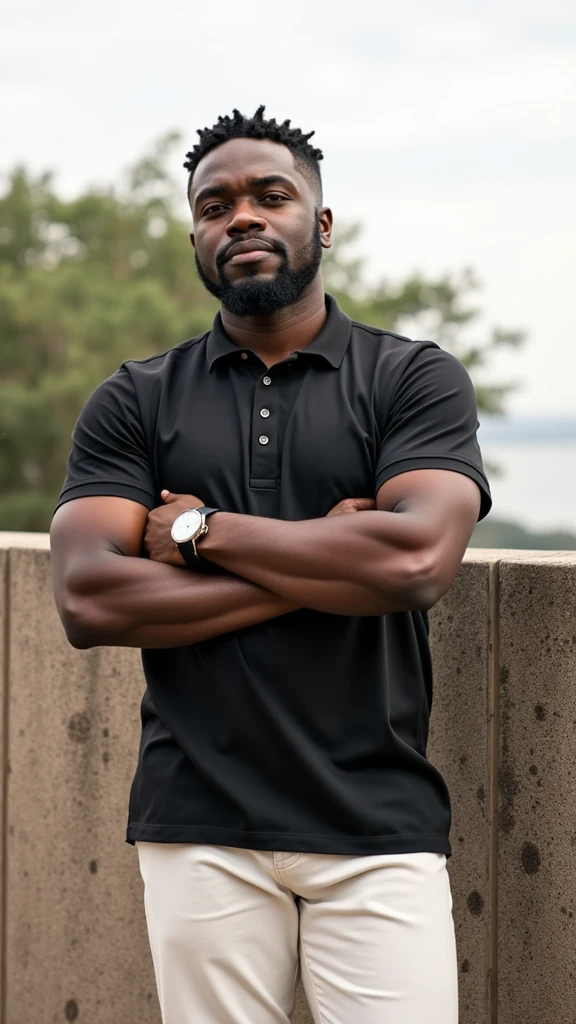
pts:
[273, 337]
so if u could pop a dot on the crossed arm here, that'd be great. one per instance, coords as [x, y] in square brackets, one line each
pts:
[402, 555]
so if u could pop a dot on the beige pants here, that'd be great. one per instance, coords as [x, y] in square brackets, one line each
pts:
[374, 935]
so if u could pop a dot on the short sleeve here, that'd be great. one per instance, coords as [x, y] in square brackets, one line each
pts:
[432, 422]
[109, 455]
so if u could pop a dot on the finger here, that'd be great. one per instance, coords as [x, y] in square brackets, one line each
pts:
[364, 504]
[168, 497]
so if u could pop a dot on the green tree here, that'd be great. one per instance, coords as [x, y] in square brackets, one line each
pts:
[88, 282]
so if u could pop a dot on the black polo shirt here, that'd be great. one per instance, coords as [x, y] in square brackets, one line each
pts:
[307, 732]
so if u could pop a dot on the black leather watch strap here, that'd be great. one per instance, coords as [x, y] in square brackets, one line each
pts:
[194, 561]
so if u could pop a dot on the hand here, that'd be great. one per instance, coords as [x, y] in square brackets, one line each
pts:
[352, 505]
[157, 536]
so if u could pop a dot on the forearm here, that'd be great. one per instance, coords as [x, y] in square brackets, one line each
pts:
[121, 601]
[366, 563]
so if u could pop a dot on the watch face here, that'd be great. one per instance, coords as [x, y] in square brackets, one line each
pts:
[187, 526]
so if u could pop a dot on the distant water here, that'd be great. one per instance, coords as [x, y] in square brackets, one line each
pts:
[537, 487]
[541, 429]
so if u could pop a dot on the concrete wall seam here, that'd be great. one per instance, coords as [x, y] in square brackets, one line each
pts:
[494, 798]
[537, 785]
[4, 727]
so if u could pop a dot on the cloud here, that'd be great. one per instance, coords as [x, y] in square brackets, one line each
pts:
[449, 130]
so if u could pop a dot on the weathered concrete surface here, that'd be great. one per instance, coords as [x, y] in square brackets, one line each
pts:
[34, 541]
[3, 732]
[536, 885]
[76, 934]
[461, 743]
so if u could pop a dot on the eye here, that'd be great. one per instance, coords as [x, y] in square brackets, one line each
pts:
[275, 197]
[212, 209]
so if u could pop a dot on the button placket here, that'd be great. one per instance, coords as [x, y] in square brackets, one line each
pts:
[264, 468]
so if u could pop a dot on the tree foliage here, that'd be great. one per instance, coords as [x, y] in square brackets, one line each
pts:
[88, 282]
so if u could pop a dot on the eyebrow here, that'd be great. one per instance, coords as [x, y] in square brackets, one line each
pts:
[272, 179]
[213, 191]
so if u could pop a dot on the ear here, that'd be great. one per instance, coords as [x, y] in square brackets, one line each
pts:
[325, 221]
[192, 240]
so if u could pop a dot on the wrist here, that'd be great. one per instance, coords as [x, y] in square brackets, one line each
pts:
[212, 543]
[187, 531]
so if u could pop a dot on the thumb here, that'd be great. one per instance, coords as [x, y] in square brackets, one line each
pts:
[364, 504]
[168, 497]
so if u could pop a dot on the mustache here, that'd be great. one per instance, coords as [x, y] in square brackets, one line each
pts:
[276, 246]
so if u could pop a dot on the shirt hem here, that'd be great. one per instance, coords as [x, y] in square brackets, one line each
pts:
[290, 842]
[106, 490]
[407, 464]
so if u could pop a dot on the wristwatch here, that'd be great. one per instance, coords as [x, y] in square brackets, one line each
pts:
[187, 529]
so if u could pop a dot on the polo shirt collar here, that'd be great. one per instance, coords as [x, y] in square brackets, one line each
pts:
[330, 344]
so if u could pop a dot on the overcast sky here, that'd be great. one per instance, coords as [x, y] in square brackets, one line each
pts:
[448, 129]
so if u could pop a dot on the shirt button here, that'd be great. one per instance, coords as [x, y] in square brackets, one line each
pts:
[263, 439]
[266, 380]
[244, 355]
[264, 413]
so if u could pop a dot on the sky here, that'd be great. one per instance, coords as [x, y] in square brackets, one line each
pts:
[448, 130]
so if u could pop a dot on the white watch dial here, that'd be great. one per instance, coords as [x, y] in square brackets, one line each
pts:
[187, 526]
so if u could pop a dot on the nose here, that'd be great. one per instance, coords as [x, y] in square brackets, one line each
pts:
[245, 218]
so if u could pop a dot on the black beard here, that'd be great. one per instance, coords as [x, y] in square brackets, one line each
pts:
[253, 296]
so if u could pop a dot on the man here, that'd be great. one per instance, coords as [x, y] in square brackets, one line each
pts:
[283, 807]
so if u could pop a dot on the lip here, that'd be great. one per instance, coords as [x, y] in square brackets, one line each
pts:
[254, 256]
[246, 252]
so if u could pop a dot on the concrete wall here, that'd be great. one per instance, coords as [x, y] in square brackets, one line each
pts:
[537, 823]
[73, 940]
[461, 745]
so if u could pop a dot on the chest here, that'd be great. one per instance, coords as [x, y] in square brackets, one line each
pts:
[287, 442]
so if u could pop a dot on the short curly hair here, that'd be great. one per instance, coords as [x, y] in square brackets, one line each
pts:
[257, 127]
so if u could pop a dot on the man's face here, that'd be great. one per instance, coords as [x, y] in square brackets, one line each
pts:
[258, 234]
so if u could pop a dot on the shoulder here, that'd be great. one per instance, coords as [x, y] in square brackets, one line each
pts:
[400, 358]
[387, 344]
[141, 382]
[159, 366]
[132, 392]
[380, 336]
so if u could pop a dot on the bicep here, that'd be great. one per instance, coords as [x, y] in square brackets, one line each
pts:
[88, 529]
[441, 509]
[432, 424]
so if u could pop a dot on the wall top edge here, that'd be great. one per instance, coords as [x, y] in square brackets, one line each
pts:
[41, 542]
[33, 541]
[492, 555]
